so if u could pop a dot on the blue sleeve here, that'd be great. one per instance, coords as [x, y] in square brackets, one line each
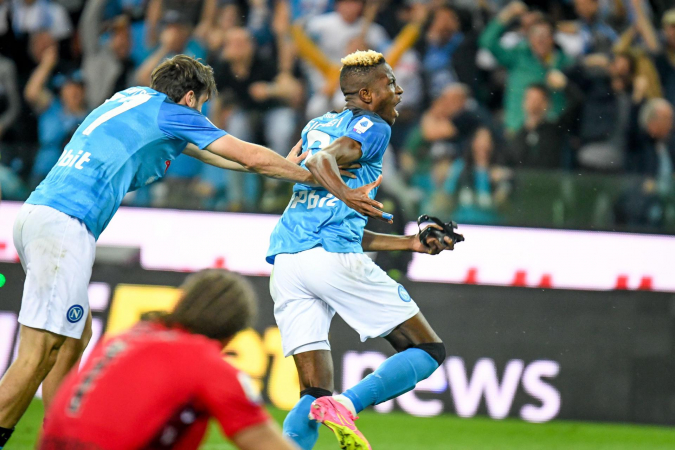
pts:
[372, 133]
[186, 124]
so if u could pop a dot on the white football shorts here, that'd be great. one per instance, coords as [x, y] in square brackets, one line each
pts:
[309, 287]
[57, 253]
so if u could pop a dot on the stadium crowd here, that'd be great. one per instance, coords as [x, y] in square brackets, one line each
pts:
[491, 88]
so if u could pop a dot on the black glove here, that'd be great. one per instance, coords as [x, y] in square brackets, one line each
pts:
[448, 230]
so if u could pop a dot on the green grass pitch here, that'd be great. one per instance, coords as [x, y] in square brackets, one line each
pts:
[398, 431]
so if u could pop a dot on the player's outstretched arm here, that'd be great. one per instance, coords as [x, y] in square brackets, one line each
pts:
[213, 159]
[376, 242]
[325, 166]
[258, 159]
[265, 436]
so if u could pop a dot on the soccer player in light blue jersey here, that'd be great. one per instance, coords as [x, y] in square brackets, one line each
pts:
[124, 144]
[320, 269]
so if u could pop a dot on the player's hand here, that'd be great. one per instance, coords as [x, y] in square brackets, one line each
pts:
[345, 169]
[433, 246]
[296, 157]
[359, 200]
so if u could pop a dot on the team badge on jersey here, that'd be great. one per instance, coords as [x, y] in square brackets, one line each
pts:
[403, 293]
[363, 125]
[75, 313]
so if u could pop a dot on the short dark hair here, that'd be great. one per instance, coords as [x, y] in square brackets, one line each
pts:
[216, 303]
[541, 87]
[545, 20]
[181, 74]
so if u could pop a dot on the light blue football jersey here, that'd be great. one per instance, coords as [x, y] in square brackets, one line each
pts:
[124, 144]
[314, 217]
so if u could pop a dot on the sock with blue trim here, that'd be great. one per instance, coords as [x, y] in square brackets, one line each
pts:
[297, 426]
[397, 375]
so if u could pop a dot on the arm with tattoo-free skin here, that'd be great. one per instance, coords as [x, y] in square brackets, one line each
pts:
[376, 242]
[295, 157]
[325, 166]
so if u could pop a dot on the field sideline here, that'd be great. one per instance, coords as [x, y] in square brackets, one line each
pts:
[398, 431]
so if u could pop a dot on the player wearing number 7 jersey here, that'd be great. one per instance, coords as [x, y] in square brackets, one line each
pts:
[124, 144]
[320, 269]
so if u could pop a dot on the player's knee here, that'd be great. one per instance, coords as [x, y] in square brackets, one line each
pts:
[85, 339]
[435, 349]
[40, 354]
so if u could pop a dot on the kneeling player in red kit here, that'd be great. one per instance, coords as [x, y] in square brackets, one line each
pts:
[156, 385]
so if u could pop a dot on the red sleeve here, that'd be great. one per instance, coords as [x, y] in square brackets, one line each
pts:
[229, 395]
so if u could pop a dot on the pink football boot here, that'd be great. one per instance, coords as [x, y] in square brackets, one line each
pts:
[340, 420]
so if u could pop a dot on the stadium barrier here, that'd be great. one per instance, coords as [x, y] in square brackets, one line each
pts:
[501, 256]
[537, 354]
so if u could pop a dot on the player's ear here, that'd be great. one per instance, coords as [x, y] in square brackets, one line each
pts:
[191, 99]
[366, 95]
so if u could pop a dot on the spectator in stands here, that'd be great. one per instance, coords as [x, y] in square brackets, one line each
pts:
[10, 106]
[665, 58]
[263, 102]
[610, 90]
[228, 16]
[526, 63]
[58, 116]
[651, 149]
[175, 38]
[652, 155]
[106, 68]
[644, 66]
[595, 35]
[453, 138]
[31, 16]
[10, 100]
[194, 14]
[662, 51]
[449, 55]
[333, 33]
[541, 141]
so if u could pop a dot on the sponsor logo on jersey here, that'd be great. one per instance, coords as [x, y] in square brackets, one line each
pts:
[363, 125]
[69, 159]
[75, 314]
[403, 294]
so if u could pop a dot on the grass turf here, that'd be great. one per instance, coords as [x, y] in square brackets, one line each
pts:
[398, 431]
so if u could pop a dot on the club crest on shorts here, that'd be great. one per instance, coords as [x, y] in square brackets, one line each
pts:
[403, 293]
[76, 312]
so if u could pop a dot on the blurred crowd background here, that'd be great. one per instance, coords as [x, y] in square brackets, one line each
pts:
[554, 113]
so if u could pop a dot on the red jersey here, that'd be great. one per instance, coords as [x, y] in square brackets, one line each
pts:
[150, 388]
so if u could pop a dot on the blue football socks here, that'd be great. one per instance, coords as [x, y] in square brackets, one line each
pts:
[397, 375]
[298, 427]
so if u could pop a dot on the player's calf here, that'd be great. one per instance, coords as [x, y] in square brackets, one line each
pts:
[38, 351]
[69, 356]
[397, 375]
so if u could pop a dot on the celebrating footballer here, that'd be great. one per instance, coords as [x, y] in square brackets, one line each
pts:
[320, 268]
